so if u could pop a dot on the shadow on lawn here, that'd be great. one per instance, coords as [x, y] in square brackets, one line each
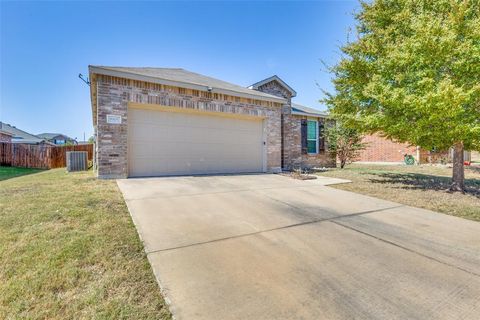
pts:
[424, 182]
[475, 168]
[14, 172]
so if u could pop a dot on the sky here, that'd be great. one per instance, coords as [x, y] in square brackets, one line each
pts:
[45, 45]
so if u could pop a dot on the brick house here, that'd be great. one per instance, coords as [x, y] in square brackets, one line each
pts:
[381, 149]
[162, 121]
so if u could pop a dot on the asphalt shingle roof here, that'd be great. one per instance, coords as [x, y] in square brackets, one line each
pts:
[20, 136]
[188, 77]
[49, 136]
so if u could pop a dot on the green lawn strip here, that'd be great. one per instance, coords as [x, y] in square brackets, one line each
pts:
[69, 250]
[420, 186]
[13, 172]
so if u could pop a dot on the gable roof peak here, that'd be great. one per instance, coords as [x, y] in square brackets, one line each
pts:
[276, 78]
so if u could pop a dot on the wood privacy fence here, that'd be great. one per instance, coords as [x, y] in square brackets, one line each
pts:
[38, 156]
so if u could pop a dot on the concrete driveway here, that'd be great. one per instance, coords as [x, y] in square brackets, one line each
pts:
[270, 247]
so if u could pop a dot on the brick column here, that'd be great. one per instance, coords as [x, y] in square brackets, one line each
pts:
[111, 138]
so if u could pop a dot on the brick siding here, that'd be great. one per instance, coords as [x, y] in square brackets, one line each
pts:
[294, 158]
[113, 95]
[291, 131]
[380, 149]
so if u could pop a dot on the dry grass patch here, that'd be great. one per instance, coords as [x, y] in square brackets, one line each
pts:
[69, 250]
[419, 186]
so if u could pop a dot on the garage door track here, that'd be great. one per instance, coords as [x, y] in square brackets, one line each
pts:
[270, 247]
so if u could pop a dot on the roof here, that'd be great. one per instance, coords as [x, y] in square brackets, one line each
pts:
[4, 131]
[50, 136]
[20, 136]
[274, 78]
[298, 109]
[183, 78]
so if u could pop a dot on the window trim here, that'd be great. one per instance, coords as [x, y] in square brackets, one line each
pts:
[316, 136]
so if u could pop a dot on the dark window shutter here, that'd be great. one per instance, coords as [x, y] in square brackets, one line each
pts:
[321, 136]
[304, 135]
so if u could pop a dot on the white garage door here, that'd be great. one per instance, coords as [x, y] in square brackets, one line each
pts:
[176, 143]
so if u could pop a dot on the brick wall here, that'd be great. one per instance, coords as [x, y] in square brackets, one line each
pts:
[5, 137]
[291, 134]
[294, 158]
[113, 95]
[275, 88]
[380, 149]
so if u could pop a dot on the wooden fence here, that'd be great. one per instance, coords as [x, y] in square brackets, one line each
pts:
[38, 156]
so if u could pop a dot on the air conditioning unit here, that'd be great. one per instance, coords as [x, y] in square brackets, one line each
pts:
[77, 161]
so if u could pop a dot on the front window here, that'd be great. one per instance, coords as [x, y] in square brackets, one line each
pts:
[312, 136]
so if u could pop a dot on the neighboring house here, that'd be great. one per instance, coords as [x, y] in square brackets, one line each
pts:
[381, 149]
[57, 138]
[5, 136]
[475, 156]
[162, 121]
[20, 136]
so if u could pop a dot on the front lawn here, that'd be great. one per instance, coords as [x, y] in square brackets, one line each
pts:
[69, 250]
[419, 186]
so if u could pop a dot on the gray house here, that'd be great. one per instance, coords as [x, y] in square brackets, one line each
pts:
[162, 121]
[19, 136]
[57, 138]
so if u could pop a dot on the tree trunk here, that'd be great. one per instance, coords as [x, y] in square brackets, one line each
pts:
[458, 177]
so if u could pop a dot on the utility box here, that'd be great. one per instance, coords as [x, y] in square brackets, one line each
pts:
[77, 161]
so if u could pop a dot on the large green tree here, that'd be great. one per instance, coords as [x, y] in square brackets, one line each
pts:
[412, 72]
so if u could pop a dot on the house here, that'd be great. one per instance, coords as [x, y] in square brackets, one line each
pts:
[165, 121]
[475, 157]
[20, 136]
[381, 149]
[57, 138]
[5, 136]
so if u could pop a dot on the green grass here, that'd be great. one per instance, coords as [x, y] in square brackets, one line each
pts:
[422, 186]
[69, 250]
[13, 172]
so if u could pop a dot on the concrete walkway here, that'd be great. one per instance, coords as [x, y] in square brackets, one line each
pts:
[270, 247]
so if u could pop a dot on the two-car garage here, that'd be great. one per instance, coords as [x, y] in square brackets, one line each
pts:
[171, 141]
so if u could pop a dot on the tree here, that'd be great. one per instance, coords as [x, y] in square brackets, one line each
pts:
[413, 74]
[344, 143]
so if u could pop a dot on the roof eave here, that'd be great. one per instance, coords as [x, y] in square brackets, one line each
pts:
[123, 74]
[93, 93]
[318, 115]
[6, 133]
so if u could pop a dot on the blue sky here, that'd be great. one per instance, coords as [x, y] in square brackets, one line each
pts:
[44, 45]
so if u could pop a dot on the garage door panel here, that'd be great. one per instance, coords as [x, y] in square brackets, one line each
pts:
[174, 143]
